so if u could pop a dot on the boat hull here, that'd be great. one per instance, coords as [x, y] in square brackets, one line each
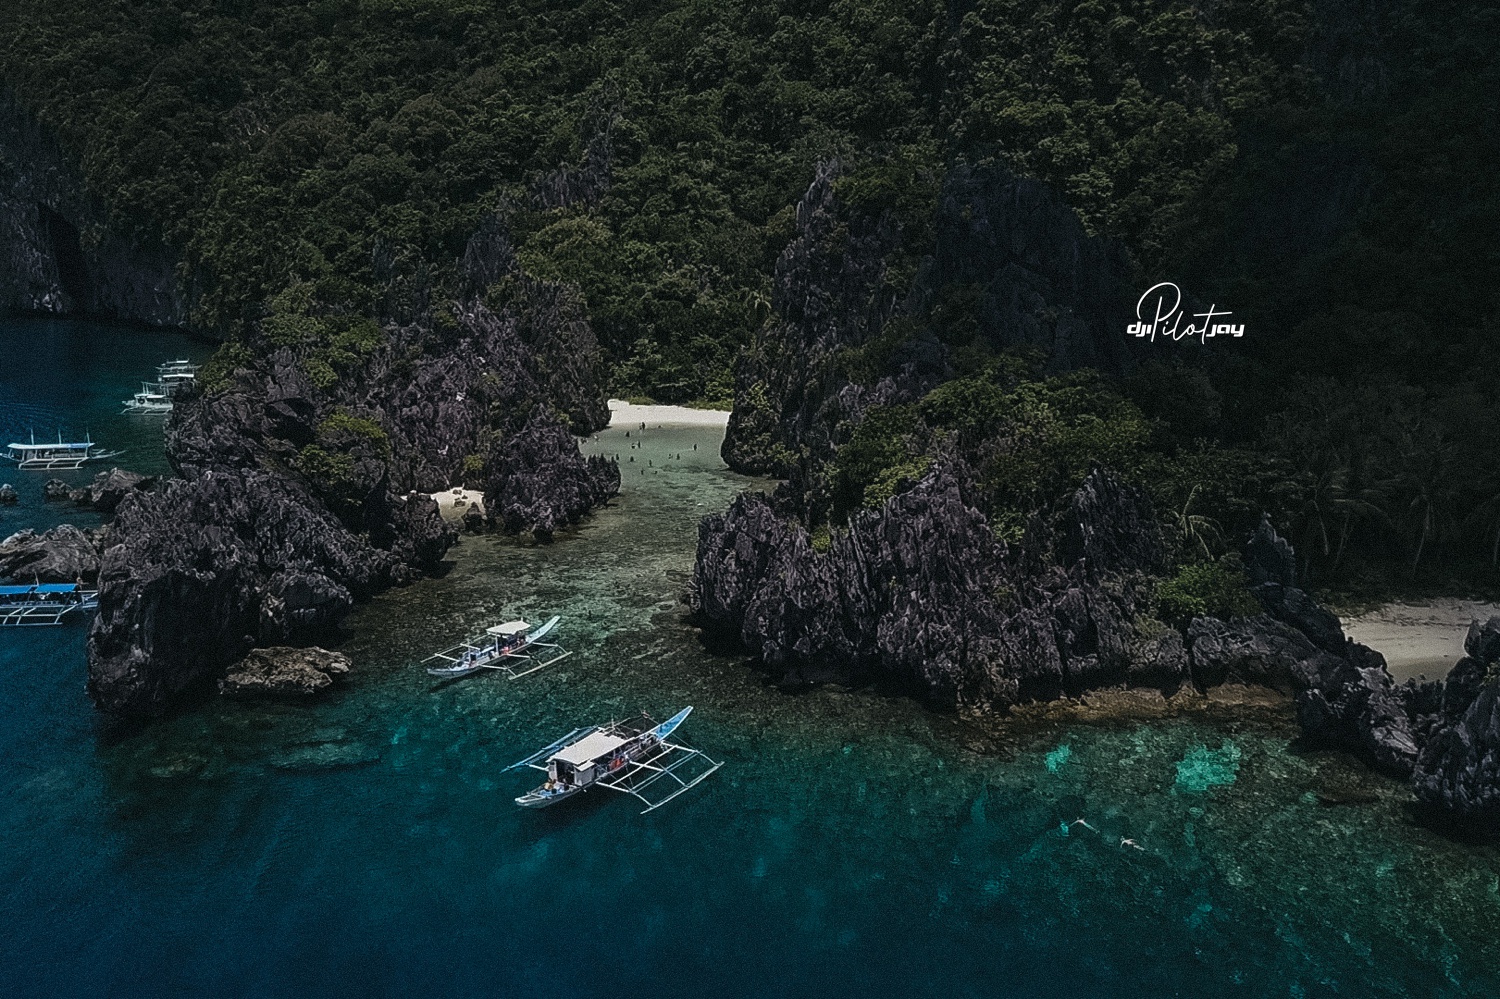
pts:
[544, 799]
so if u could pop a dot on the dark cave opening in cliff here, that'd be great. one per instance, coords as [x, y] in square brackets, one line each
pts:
[67, 254]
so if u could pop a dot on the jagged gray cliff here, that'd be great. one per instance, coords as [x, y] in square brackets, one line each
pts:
[920, 595]
[1029, 275]
[302, 494]
[62, 251]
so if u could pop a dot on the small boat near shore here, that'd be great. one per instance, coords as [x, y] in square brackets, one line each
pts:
[43, 604]
[634, 758]
[179, 367]
[56, 457]
[154, 397]
[511, 648]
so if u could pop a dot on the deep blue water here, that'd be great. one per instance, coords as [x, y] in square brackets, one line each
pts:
[852, 845]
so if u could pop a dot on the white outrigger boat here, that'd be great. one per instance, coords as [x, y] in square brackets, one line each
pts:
[59, 456]
[509, 648]
[152, 398]
[630, 757]
[173, 382]
[182, 366]
[43, 603]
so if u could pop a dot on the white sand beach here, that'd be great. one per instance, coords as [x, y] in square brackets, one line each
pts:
[1419, 639]
[454, 503]
[625, 415]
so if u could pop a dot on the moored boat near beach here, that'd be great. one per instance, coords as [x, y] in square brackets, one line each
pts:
[630, 757]
[508, 648]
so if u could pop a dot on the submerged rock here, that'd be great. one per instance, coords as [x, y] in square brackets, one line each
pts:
[62, 554]
[280, 671]
[55, 490]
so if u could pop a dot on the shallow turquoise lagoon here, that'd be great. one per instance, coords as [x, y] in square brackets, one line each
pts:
[852, 845]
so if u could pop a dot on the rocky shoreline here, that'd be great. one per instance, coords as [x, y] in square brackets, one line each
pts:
[299, 494]
[918, 596]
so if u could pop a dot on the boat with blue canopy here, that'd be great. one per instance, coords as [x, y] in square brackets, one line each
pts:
[42, 604]
[514, 648]
[638, 758]
[47, 457]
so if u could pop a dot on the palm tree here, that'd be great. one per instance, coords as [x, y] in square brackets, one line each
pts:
[1197, 530]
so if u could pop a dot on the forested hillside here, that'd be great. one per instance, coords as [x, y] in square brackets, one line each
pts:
[1324, 170]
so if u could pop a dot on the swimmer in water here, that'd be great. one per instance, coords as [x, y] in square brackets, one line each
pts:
[1131, 843]
[1081, 822]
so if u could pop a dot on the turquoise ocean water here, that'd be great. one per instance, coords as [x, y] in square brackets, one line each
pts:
[852, 845]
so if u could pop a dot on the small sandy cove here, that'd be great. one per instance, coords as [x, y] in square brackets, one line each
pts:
[1423, 639]
[627, 416]
[454, 503]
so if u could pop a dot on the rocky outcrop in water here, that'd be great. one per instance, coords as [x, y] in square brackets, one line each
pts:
[109, 488]
[305, 478]
[8, 495]
[918, 594]
[61, 251]
[1458, 769]
[537, 481]
[283, 671]
[62, 554]
[203, 570]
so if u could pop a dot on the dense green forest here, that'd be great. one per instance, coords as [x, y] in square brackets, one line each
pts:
[322, 162]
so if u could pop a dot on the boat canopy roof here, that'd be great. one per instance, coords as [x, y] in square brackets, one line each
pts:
[508, 628]
[54, 446]
[590, 748]
[15, 591]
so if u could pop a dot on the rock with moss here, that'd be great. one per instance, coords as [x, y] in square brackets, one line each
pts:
[281, 671]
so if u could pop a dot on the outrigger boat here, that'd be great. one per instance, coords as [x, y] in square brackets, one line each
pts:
[153, 397]
[630, 757]
[179, 367]
[173, 382]
[509, 648]
[49, 457]
[44, 603]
